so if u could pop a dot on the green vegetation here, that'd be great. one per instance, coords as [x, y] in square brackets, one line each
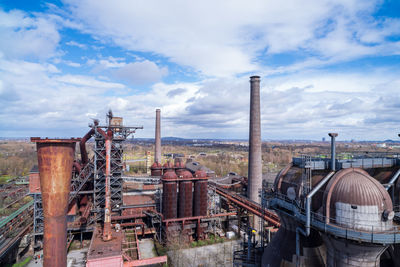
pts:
[213, 239]
[21, 263]
[5, 178]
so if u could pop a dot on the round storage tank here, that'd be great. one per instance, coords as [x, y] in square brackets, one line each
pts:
[185, 208]
[200, 194]
[353, 199]
[156, 169]
[169, 204]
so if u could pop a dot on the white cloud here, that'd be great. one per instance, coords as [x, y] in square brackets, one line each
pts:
[73, 43]
[143, 72]
[25, 36]
[225, 38]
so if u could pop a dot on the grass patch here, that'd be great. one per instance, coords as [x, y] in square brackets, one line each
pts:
[160, 250]
[5, 178]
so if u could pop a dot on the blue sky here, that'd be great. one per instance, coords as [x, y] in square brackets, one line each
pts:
[324, 66]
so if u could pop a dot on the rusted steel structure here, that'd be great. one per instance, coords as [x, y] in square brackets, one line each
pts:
[200, 194]
[185, 195]
[55, 160]
[157, 149]
[169, 198]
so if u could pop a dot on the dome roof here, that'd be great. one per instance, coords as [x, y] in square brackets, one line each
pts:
[170, 174]
[155, 165]
[200, 174]
[186, 174]
[354, 198]
[168, 165]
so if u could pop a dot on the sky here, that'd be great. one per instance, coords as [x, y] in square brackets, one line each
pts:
[324, 65]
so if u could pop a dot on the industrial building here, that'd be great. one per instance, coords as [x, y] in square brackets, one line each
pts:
[320, 211]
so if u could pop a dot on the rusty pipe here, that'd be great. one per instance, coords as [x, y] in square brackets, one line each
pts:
[107, 209]
[82, 146]
[77, 167]
[86, 213]
[55, 160]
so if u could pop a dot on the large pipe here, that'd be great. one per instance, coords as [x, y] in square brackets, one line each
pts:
[107, 209]
[157, 152]
[82, 146]
[255, 162]
[333, 151]
[55, 160]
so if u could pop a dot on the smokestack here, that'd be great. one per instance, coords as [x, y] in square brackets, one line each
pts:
[157, 152]
[255, 162]
[55, 160]
[333, 150]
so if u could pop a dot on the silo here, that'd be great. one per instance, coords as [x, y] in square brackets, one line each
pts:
[169, 204]
[355, 200]
[55, 161]
[179, 167]
[156, 169]
[185, 205]
[200, 194]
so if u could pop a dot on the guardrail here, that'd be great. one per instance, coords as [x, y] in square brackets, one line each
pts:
[390, 235]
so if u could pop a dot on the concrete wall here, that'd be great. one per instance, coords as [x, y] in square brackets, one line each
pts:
[213, 255]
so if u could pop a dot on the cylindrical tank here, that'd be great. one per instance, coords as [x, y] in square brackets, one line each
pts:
[185, 207]
[55, 160]
[355, 200]
[179, 167]
[169, 200]
[156, 169]
[200, 194]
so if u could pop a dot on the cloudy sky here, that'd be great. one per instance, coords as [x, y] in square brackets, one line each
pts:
[324, 66]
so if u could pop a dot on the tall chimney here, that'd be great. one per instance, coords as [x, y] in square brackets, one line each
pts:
[55, 160]
[157, 152]
[333, 150]
[255, 162]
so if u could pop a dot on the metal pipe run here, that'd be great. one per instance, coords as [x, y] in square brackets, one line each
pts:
[333, 150]
[55, 160]
[393, 180]
[309, 199]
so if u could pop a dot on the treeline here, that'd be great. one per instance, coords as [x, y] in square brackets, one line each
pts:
[16, 158]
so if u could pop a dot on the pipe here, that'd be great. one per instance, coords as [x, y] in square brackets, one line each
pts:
[157, 152]
[393, 180]
[255, 161]
[298, 232]
[55, 160]
[333, 151]
[86, 213]
[82, 146]
[107, 209]
[309, 199]
[77, 167]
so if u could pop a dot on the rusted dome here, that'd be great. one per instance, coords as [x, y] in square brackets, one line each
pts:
[170, 174]
[186, 174]
[168, 165]
[200, 174]
[356, 200]
[156, 165]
